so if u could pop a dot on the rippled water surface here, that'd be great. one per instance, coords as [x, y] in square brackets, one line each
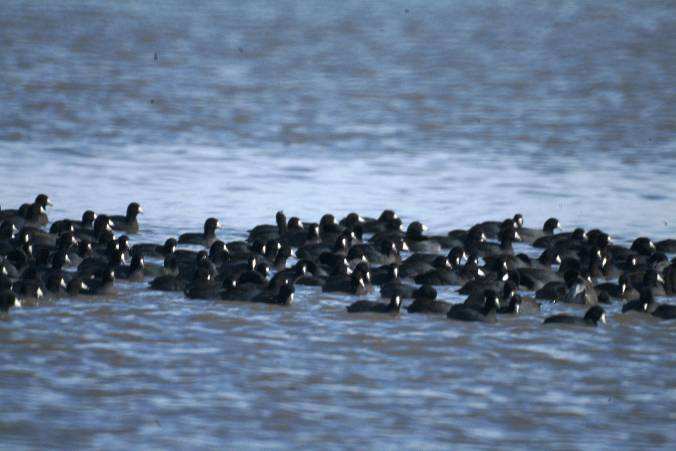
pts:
[449, 113]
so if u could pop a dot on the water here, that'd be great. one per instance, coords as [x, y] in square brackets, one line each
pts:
[450, 114]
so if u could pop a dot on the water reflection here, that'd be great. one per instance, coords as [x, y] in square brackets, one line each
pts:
[450, 114]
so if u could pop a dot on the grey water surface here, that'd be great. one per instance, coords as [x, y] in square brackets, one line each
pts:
[447, 112]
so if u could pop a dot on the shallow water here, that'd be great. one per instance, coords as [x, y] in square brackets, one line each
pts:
[448, 114]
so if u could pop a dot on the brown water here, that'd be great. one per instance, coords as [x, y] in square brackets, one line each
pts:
[450, 114]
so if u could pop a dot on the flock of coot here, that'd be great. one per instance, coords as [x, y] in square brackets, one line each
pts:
[84, 257]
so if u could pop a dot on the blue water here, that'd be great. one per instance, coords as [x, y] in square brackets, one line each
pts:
[450, 113]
